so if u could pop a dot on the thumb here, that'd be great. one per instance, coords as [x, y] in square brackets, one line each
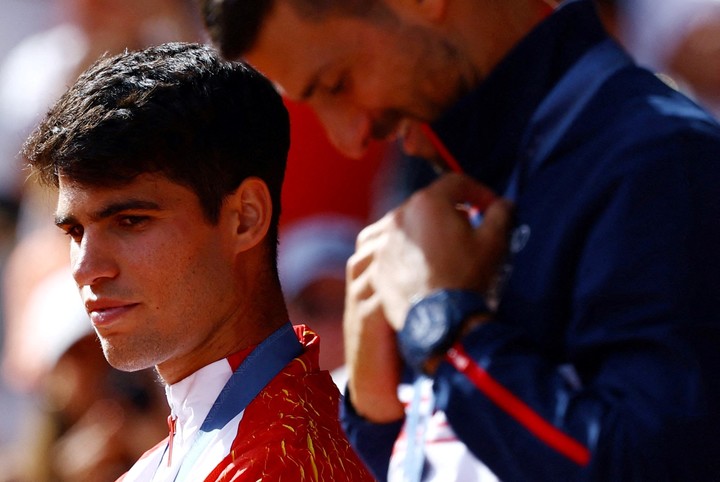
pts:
[464, 189]
[494, 231]
[498, 216]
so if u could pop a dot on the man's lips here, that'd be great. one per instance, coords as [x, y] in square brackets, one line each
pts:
[103, 312]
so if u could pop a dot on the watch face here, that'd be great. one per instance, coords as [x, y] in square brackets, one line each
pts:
[433, 323]
[429, 327]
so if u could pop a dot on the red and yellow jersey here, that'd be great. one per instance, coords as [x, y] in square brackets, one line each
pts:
[289, 432]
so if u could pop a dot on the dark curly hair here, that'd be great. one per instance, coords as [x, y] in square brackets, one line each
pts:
[177, 109]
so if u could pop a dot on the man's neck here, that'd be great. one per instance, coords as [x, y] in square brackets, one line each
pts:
[489, 29]
[248, 325]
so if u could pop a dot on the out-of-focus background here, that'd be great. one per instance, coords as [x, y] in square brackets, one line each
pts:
[21, 18]
[65, 414]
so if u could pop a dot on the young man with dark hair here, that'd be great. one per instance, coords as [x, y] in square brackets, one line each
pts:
[593, 355]
[169, 164]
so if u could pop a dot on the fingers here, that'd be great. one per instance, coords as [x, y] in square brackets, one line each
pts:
[478, 249]
[371, 356]
[361, 303]
[492, 240]
[497, 222]
[358, 279]
[371, 232]
[492, 234]
[459, 188]
[423, 245]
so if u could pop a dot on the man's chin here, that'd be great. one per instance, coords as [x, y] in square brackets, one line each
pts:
[122, 360]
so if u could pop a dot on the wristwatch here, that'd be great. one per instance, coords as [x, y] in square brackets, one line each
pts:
[434, 322]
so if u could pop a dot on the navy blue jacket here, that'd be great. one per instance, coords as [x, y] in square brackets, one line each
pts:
[614, 278]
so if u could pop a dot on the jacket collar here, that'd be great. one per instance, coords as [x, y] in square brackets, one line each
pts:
[484, 129]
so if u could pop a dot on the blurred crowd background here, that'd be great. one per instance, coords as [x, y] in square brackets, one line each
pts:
[66, 415]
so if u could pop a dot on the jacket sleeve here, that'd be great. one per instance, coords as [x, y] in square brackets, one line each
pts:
[631, 390]
[372, 442]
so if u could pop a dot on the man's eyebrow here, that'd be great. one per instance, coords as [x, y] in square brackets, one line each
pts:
[109, 210]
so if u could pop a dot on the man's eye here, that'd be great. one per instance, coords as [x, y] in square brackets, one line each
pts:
[338, 87]
[130, 221]
[74, 232]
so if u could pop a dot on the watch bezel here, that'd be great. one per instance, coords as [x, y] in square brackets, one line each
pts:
[440, 314]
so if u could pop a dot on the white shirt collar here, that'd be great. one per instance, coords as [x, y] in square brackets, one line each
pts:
[191, 398]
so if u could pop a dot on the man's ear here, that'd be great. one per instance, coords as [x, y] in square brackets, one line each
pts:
[251, 208]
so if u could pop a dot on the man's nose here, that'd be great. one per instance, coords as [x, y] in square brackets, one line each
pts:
[349, 130]
[91, 261]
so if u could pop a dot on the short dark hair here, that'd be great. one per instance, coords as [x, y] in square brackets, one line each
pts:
[234, 25]
[176, 109]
